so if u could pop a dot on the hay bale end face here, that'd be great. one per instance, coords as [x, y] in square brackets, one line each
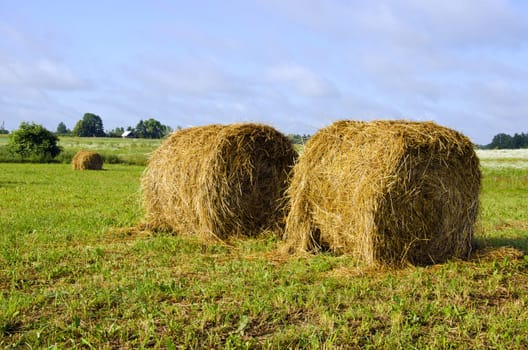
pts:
[218, 181]
[387, 192]
[87, 160]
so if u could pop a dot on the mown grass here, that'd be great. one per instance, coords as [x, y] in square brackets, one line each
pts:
[72, 277]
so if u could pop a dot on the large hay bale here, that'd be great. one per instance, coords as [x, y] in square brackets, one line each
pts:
[87, 160]
[389, 192]
[218, 181]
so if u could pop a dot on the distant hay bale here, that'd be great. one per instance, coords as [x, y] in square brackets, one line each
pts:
[87, 160]
[218, 181]
[387, 192]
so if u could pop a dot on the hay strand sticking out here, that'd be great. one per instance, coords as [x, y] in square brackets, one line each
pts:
[87, 160]
[389, 192]
[218, 181]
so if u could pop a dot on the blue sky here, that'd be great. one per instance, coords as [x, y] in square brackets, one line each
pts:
[295, 64]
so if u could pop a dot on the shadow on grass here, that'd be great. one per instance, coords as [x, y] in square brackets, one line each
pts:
[520, 243]
[499, 249]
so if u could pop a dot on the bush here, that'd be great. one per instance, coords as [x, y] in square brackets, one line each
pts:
[8, 157]
[34, 143]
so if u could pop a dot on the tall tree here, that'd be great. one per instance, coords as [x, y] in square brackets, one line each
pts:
[519, 140]
[151, 129]
[3, 130]
[89, 125]
[501, 141]
[62, 129]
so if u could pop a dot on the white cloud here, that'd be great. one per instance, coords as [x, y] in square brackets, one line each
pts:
[41, 74]
[469, 23]
[198, 77]
[303, 80]
[412, 23]
[295, 63]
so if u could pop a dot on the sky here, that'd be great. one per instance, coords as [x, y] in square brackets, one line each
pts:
[297, 65]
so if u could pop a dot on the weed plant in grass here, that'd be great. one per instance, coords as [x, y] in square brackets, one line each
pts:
[72, 277]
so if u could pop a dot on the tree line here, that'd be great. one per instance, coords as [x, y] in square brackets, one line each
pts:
[33, 142]
[505, 141]
[91, 125]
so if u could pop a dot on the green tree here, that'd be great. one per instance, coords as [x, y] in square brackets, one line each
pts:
[62, 129]
[116, 132]
[151, 129]
[32, 141]
[89, 125]
[501, 141]
[3, 130]
[519, 140]
[505, 141]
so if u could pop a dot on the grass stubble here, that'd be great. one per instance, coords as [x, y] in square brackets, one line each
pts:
[71, 277]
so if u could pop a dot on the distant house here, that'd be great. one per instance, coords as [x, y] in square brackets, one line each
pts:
[127, 134]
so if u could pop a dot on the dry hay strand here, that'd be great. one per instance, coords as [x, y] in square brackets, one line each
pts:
[219, 181]
[497, 253]
[87, 160]
[386, 192]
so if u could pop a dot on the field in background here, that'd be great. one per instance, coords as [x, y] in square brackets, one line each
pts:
[501, 158]
[73, 276]
[136, 151]
[114, 150]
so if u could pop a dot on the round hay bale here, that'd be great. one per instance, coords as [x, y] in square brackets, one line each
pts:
[218, 181]
[87, 160]
[387, 192]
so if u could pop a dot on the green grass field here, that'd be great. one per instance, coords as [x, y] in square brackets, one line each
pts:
[114, 150]
[127, 149]
[71, 276]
